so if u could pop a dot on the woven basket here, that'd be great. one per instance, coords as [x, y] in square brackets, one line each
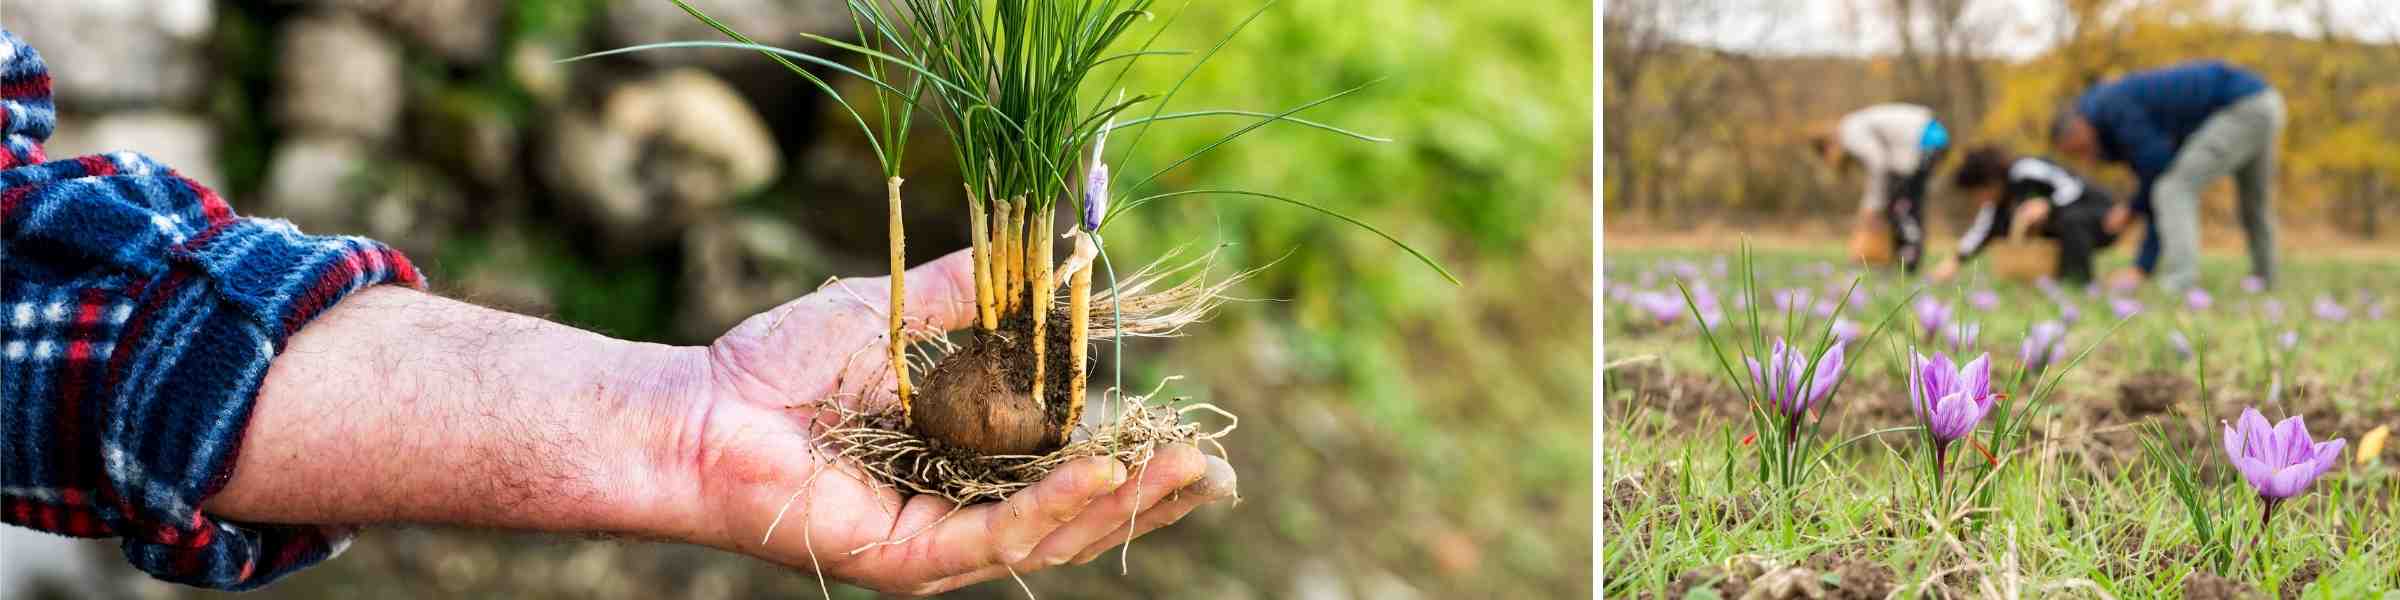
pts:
[2023, 260]
[1872, 246]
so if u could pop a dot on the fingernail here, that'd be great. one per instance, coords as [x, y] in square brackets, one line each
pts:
[1218, 481]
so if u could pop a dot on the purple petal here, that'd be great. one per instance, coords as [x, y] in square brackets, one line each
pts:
[1829, 371]
[2233, 443]
[2328, 454]
[2257, 436]
[1976, 379]
[2257, 473]
[2291, 442]
[2289, 481]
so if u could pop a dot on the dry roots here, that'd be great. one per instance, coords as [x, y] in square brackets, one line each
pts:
[919, 466]
[1137, 427]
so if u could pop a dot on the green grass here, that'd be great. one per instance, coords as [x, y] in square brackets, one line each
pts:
[2058, 523]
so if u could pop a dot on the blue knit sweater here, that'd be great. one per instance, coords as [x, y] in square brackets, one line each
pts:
[138, 315]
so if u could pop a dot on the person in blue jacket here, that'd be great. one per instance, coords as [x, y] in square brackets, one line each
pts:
[2180, 128]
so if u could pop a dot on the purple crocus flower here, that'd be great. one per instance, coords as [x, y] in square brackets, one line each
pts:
[1983, 300]
[1786, 382]
[2198, 299]
[1095, 183]
[2048, 287]
[2253, 284]
[1962, 335]
[2290, 340]
[2069, 313]
[1095, 196]
[2279, 460]
[1825, 308]
[1948, 398]
[2124, 307]
[2043, 346]
[1660, 306]
[1846, 330]
[1790, 299]
[2182, 346]
[2272, 308]
[2328, 309]
[1932, 314]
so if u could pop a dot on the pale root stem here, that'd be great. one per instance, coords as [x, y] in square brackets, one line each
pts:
[899, 337]
[1042, 291]
[1079, 324]
[979, 236]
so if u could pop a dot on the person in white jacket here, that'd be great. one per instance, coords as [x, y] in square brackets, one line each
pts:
[1897, 145]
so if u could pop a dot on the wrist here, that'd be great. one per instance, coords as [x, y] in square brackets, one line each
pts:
[652, 410]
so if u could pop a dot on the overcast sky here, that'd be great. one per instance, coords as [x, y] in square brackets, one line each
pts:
[2020, 28]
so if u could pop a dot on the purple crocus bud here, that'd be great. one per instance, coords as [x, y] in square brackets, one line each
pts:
[1983, 300]
[2328, 309]
[1825, 308]
[2124, 307]
[2068, 313]
[1846, 331]
[2183, 347]
[2048, 287]
[2272, 308]
[1948, 398]
[1784, 376]
[1662, 307]
[1789, 299]
[1932, 314]
[2253, 284]
[2279, 460]
[1962, 335]
[2290, 340]
[2043, 346]
[2197, 299]
[1095, 196]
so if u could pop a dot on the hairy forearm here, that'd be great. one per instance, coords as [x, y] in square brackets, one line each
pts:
[401, 406]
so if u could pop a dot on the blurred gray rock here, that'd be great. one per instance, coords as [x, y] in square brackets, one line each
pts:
[508, 276]
[339, 75]
[115, 53]
[335, 185]
[535, 67]
[661, 153]
[738, 266]
[306, 177]
[469, 132]
[185, 142]
[770, 22]
[465, 31]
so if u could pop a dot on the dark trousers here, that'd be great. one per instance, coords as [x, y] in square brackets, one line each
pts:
[1905, 211]
[2081, 234]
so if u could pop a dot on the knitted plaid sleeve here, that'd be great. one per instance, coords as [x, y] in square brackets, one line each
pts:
[137, 318]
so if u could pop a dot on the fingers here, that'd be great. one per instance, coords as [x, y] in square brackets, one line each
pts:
[977, 538]
[1217, 483]
[1173, 468]
[941, 294]
[1035, 513]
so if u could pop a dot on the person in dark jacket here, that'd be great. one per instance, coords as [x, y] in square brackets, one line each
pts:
[2180, 128]
[2017, 195]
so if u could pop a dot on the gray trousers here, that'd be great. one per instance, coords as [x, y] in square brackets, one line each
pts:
[2239, 140]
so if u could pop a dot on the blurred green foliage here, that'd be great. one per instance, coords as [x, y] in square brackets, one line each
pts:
[1490, 111]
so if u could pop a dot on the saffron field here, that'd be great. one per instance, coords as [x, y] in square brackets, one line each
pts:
[1982, 438]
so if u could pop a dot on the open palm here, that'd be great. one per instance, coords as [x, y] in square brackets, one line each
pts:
[749, 456]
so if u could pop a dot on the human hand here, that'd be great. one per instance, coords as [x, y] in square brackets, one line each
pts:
[2030, 216]
[2119, 216]
[745, 457]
